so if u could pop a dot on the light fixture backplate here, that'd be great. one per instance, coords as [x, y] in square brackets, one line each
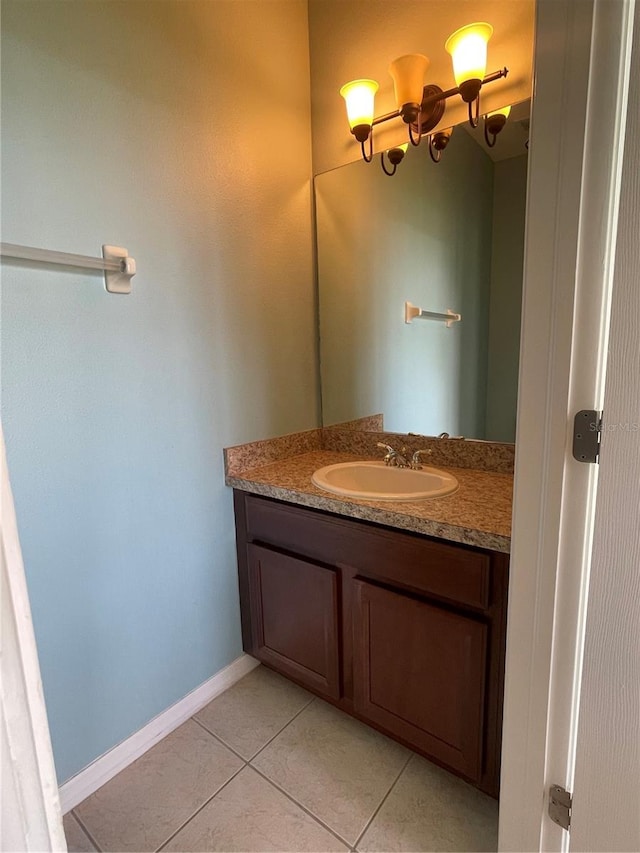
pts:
[431, 113]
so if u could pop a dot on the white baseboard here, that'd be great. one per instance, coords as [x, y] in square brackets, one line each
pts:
[94, 775]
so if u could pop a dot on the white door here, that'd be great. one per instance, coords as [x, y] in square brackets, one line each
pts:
[582, 67]
[30, 814]
[606, 793]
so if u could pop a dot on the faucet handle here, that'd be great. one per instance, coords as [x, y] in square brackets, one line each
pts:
[415, 459]
[390, 454]
[393, 457]
[384, 446]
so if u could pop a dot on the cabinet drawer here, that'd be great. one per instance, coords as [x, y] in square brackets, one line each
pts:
[453, 572]
[294, 606]
[420, 673]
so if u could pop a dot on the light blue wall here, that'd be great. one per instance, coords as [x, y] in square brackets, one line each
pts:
[507, 259]
[125, 123]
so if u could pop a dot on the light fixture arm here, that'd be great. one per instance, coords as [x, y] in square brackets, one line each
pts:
[386, 117]
[434, 153]
[474, 114]
[415, 140]
[449, 93]
[489, 136]
[395, 156]
[367, 157]
[438, 141]
[389, 172]
[435, 97]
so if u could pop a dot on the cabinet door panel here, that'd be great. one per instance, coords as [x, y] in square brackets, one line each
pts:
[419, 671]
[294, 607]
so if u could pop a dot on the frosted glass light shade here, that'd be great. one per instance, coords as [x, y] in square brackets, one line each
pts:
[504, 111]
[359, 96]
[468, 49]
[408, 73]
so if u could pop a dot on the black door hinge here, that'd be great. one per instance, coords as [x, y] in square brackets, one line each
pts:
[560, 804]
[587, 428]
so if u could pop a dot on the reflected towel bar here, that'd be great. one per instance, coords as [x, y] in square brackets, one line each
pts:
[412, 312]
[118, 267]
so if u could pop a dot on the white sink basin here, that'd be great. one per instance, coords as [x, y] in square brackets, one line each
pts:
[376, 481]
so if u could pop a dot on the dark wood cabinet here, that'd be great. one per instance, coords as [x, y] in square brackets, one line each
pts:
[404, 632]
[420, 672]
[294, 610]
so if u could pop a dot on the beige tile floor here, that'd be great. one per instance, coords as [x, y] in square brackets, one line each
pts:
[268, 767]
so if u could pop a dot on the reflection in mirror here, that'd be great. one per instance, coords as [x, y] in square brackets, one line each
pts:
[442, 236]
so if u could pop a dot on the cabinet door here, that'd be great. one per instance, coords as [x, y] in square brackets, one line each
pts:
[294, 607]
[419, 671]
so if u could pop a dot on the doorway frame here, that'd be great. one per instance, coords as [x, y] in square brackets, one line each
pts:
[582, 61]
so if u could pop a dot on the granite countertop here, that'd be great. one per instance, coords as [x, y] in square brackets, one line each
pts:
[479, 513]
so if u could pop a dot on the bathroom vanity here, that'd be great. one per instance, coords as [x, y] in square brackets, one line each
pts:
[403, 630]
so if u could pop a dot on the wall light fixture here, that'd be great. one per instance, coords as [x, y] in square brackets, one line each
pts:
[493, 124]
[394, 156]
[422, 107]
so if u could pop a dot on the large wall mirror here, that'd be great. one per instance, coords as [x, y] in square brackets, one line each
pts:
[442, 236]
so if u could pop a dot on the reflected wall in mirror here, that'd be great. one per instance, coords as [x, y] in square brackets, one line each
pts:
[442, 236]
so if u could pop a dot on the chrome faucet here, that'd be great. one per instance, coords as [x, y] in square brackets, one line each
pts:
[393, 457]
[415, 459]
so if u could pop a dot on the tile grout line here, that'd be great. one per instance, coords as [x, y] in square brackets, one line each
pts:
[265, 745]
[199, 809]
[303, 807]
[182, 826]
[220, 741]
[382, 801]
[85, 830]
[245, 763]
[271, 739]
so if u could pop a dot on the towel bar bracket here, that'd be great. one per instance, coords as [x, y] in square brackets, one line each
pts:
[118, 281]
